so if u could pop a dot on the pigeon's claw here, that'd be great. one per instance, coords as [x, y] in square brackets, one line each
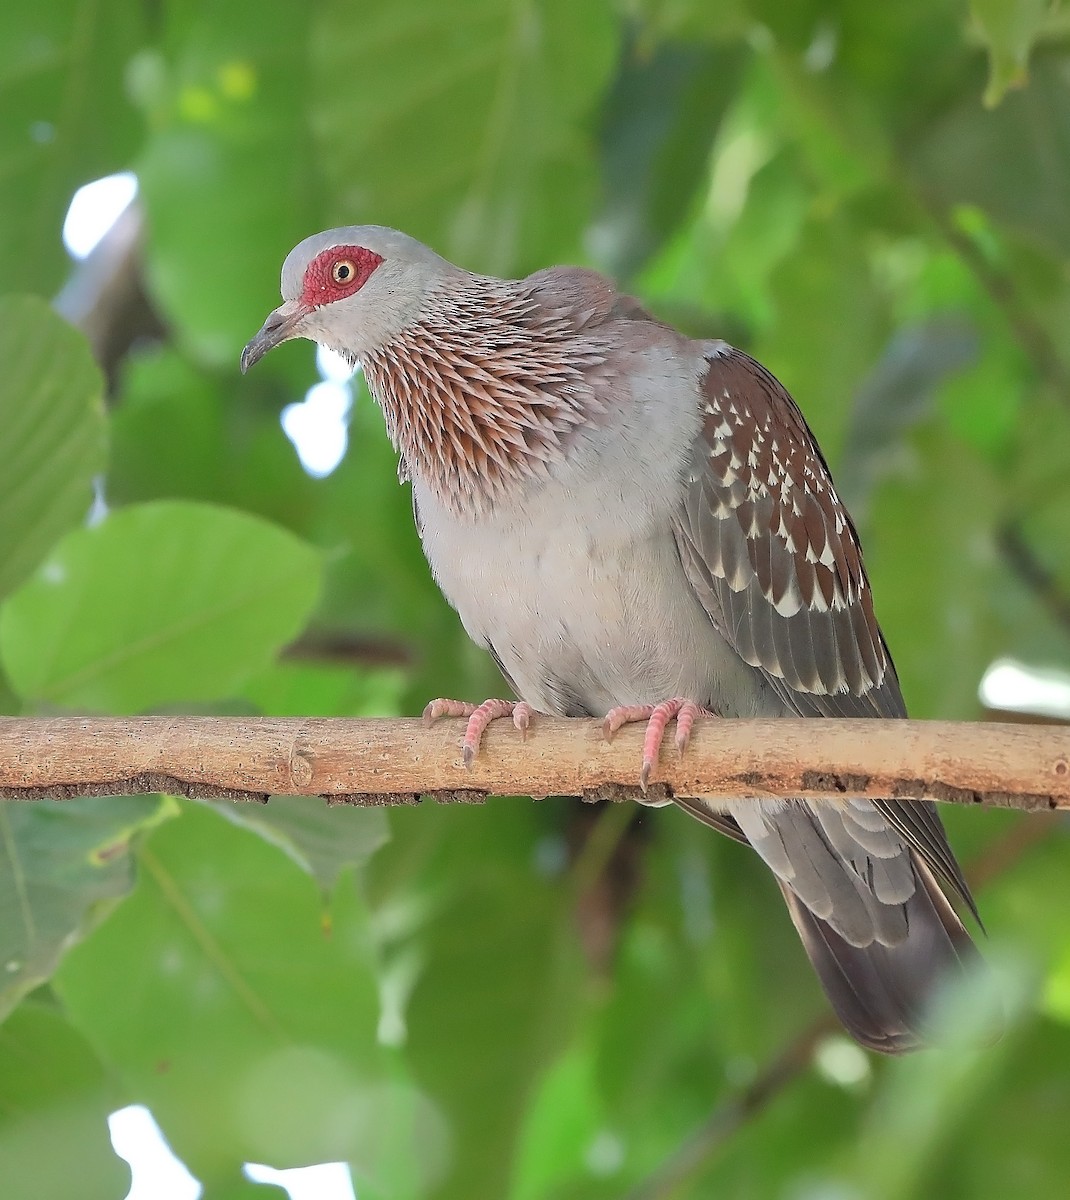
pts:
[479, 717]
[657, 717]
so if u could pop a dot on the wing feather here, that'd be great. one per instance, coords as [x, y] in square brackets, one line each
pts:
[775, 560]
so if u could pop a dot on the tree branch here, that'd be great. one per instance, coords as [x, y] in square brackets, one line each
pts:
[395, 761]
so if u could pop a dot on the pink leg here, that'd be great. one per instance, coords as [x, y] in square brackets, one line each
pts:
[479, 717]
[657, 717]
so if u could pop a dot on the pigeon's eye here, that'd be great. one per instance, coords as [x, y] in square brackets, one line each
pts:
[343, 271]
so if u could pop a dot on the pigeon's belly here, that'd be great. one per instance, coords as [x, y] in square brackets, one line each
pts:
[584, 614]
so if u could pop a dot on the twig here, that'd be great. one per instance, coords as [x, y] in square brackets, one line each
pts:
[375, 762]
[350, 649]
[1041, 581]
[1031, 335]
[1007, 851]
[729, 1117]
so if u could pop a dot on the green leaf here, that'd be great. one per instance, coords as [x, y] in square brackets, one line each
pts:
[159, 603]
[1010, 29]
[1012, 1127]
[54, 1099]
[655, 155]
[9, 702]
[54, 432]
[246, 1017]
[485, 1018]
[310, 689]
[831, 322]
[780, 1150]
[322, 840]
[225, 170]
[982, 401]
[467, 129]
[66, 121]
[852, 81]
[751, 222]
[927, 1099]
[896, 396]
[562, 1126]
[930, 548]
[1009, 161]
[61, 866]
[1035, 604]
[183, 432]
[693, 19]
[169, 434]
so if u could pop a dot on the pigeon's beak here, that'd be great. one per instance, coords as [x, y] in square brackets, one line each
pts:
[280, 326]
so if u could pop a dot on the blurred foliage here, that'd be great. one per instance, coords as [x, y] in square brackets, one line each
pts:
[872, 200]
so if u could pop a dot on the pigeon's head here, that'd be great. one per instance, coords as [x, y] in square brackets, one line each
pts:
[353, 290]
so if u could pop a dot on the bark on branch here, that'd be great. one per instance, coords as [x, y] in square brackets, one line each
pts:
[396, 761]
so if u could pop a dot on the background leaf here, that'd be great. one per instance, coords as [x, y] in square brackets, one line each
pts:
[66, 122]
[63, 866]
[190, 601]
[54, 433]
[478, 110]
[55, 1098]
[1010, 29]
[275, 1060]
[323, 841]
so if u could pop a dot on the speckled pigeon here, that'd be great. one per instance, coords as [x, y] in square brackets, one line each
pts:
[640, 526]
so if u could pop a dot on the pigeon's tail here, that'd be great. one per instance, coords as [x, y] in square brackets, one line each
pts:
[860, 881]
[880, 992]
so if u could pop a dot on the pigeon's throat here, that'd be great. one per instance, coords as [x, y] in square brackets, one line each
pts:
[477, 407]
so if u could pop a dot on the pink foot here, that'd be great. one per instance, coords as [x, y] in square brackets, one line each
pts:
[479, 717]
[657, 717]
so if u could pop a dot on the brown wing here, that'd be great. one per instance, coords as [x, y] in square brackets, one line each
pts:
[765, 539]
[775, 560]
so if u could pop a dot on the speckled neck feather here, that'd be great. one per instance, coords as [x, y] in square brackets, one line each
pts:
[486, 391]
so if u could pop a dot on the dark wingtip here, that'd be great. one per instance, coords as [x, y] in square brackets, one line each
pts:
[883, 994]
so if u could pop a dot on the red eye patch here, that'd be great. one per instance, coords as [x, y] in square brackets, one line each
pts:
[336, 273]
